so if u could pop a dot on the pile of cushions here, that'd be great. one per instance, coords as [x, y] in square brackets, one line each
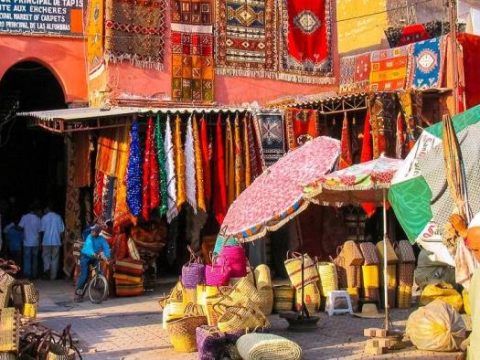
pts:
[129, 277]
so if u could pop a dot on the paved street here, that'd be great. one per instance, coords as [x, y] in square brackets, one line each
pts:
[130, 328]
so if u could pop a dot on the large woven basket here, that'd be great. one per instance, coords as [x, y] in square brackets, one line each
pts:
[245, 288]
[241, 318]
[372, 294]
[352, 254]
[262, 276]
[283, 298]
[311, 298]
[370, 254]
[266, 300]
[9, 330]
[405, 252]
[6, 282]
[182, 331]
[371, 276]
[405, 274]
[268, 347]
[354, 276]
[404, 297]
[391, 255]
[293, 265]
[328, 277]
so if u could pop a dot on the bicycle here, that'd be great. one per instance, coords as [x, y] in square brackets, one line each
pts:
[97, 284]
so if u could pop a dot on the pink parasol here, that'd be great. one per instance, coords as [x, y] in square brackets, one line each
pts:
[277, 195]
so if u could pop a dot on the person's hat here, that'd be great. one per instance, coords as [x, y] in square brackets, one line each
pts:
[369, 311]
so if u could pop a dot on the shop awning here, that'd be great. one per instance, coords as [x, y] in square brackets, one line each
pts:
[84, 119]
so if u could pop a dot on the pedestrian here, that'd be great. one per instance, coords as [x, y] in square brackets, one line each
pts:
[31, 225]
[52, 228]
[14, 241]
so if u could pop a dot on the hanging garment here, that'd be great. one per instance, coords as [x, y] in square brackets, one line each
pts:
[345, 145]
[122, 214]
[161, 160]
[220, 191]
[97, 194]
[190, 177]
[134, 172]
[151, 196]
[365, 156]
[406, 104]
[246, 142]
[172, 211]
[206, 157]
[400, 143]
[82, 174]
[229, 162]
[200, 191]
[179, 163]
[255, 150]
[239, 168]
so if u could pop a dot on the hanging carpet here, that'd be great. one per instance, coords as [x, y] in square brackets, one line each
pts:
[301, 125]
[388, 69]
[271, 133]
[426, 64]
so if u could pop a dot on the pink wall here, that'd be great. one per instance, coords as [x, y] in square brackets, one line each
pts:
[64, 57]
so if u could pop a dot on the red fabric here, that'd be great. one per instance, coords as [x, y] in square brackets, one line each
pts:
[220, 192]
[307, 45]
[302, 125]
[367, 155]
[400, 143]
[471, 49]
[413, 33]
[150, 181]
[206, 156]
[97, 194]
[345, 145]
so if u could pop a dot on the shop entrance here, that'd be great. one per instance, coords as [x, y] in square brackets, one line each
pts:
[32, 161]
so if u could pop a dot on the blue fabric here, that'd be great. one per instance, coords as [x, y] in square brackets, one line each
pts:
[428, 56]
[220, 243]
[14, 239]
[30, 261]
[85, 261]
[94, 244]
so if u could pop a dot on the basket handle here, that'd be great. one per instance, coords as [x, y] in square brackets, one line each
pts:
[194, 258]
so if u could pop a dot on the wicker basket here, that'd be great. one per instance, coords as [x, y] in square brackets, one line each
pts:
[352, 254]
[210, 312]
[372, 294]
[262, 276]
[354, 276]
[391, 276]
[371, 276]
[182, 331]
[391, 255]
[370, 254]
[405, 252]
[6, 282]
[172, 311]
[266, 300]
[311, 298]
[189, 296]
[283, 298]
[328, 277]
[245, 288]
[268, 347]
[404, 297]
[241, 318]
[9, 330]
[405, 272]
[293, 265]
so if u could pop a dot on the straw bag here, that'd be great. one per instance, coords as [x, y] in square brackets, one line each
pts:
[371, 276]
[193, 272]
[293, 265]
[405, 252]
[404, 297]
[391, 276]
[311, 298]
[210, 342]
[182, 332]
[268, 347]
[262, 276]
[9, 329]
[352, 254]
[217, 274]
[6, 282]
[283, 298]
[30, 293]
[266, 300]
[391, 255]
[240, 318]
[405, 272]
[328, 278]
[63, 348]
[29, 311]
[172, 311]
[340, 269]
[234, 257]
[354, 276]
[244, 289]
[369, 252]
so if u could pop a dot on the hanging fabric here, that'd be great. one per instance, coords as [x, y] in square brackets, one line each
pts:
[367, 155]
[239, 168]
[97, 194]
[220, 193]
[179, 163]
[206, 157]
[246, 142]
[190, 176]
[229, 162]
[82, 174]
[406, 104]
[198, 166]
[400, 137]
[161, 160]
[255, 149]
[172, 211]
[151, 196]
[134, 172]
[345, 145]
[122, 215]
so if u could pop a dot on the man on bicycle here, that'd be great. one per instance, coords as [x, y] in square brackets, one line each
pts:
[94, 249]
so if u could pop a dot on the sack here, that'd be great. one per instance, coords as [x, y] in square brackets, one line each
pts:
[405, 252]
[311, 298]
[328, 277]
[369, 252]
[234, 257]
[293, 265]
[9, 330]
[193, 272]
[444, 292]
[182, 332]
[210, 342]
[268, 347]
[391, 255]
[266, 300]
[436, 327]
[352, 254]
[283, 298]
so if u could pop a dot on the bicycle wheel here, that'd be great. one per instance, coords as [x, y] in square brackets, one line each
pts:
[98, 289]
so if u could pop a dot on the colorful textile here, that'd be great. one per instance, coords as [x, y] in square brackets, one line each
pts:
[151, 186]
[129, 290]
[199, 177]
[134, 31]
[255, 141]
[347, 73]
[277, 195]
[362, 72]
[82, 173]
[400, 144]
[179, 163]
[108, 198]
[239, 166]
[302, 125]
[95, 36]
[229, 162]
[426, 64]
[190, 168]
[134, 172]
[192, 51]
[306, 44]
[220, 191]
[271, 135]
[406, 35]
[471, 48]
[367, 155]
[247, 150]
[206, 148]
[345, 145]
[172, 211]
[388, 69]
[106, 161]
[246, 38]
[97, 194]
[162, 163]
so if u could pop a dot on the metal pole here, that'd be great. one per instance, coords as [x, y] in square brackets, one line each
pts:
[452, 4]
[385, 273]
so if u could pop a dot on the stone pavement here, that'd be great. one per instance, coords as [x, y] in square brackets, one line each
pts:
[131, 328]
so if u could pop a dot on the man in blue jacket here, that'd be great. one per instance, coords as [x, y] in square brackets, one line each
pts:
[94, 248]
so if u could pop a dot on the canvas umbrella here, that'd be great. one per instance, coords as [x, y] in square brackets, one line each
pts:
[277, 196]
[365, 182]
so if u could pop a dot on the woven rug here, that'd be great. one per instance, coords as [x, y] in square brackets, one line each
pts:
[245, 40]
[426, 64]
[95, 35]
[271, 133]
[388, 69]
[135, 31]
[301, 125]
[306, 52]
[192, 51]
[354, 73]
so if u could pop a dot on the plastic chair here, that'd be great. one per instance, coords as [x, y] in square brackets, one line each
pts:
[331, 299]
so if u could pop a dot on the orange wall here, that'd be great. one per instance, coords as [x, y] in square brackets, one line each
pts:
[64, 57]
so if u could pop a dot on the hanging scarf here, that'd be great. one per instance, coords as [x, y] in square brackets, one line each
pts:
[220, 193]
[151, 196]
[399, 145]
[190, 176]
[161, 160]
[206, 157]
[179, 163]
[365, 156]
[198, 166]
[134, 172]
[229, 162]
[346, 146]
[97, 194]
[406, 103]
[172, 211]
[246, 141]
[255, 163]
[239, 169]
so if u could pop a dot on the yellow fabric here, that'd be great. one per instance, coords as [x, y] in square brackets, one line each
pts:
[444, 292]
[198, 166]
[239, 168]
[95, 35]
[248, 173]
[179, 163]
[229, 163]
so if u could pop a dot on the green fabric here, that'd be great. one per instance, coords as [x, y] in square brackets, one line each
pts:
[473, 352]
[220, 243]
[411, 203]
[460, 122]
[161, 158]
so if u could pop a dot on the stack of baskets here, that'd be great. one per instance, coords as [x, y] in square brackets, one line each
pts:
[25, 298]
[283, 298]
[392, 260]
[405, 271]
[263, 281]
[129, 277]
[370, 271]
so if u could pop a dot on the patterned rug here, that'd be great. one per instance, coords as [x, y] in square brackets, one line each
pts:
[306, 52]
[426, 64]
[135, 31]
[192, 51]
[245, 40]
[301, 125]
[388, 69]
[271, 133]
[354, 73]
[95, 38]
